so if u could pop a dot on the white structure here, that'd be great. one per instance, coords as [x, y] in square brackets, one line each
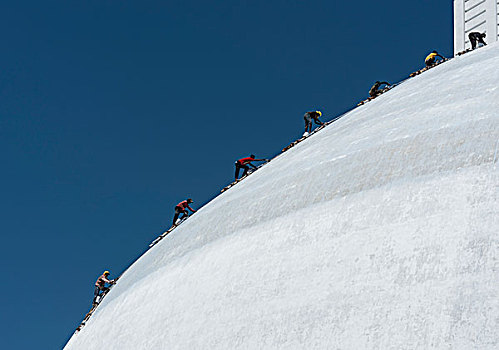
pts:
[475, 16]
[378, 232]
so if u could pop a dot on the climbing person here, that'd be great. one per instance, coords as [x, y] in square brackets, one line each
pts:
[375, 89]
[181, 208]
[477, 38]
[308, 117]
[245, 163]
[432, 57]
[100, 286]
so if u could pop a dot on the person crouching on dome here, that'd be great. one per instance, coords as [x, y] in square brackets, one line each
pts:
[431, 59]
[243, 164]
[100, 286]
[477, 38]
[375, 89]
[181, 208]
[308, 117]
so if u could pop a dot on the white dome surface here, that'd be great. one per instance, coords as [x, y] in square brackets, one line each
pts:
[379, 232]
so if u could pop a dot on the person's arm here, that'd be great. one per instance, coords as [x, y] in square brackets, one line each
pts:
[191, 209]
[108, 281]
[386, 83]
[248, 162]
[316, 119]
[442, 57]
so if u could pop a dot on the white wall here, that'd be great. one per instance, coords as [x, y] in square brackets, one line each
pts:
[474, 16]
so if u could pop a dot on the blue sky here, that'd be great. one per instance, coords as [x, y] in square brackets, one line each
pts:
[111, 112]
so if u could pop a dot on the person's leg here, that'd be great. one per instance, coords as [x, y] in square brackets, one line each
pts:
[184, 214]
[237, 170]
[175, 217]
[472, 40]
[308, 124]
[246, 168]
[96, 294]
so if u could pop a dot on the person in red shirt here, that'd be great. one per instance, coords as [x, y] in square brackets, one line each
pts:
[100, 286]
[243, 164]
[181, 208]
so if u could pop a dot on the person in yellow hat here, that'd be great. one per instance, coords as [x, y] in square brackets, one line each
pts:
[100, 286]
[432, 58]
[308, 117]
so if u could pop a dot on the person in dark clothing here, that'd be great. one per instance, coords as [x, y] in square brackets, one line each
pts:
[181, 208]
[476, 38]
[431, 58]
[100, 286]
[309, 116]
[375, 89]
[245, 163]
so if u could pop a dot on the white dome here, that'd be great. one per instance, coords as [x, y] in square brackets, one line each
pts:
[378, 232]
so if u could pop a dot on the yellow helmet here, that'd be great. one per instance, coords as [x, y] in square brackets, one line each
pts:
[319, 113]
[106, 272]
